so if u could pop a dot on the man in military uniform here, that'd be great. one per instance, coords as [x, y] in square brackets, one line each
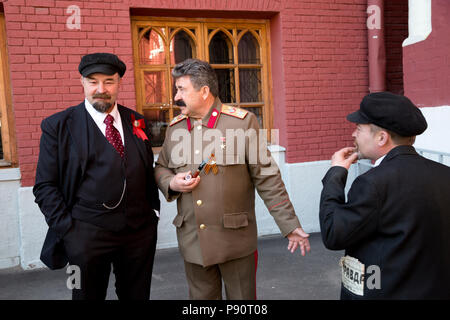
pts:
[216, 224]
[395, 223]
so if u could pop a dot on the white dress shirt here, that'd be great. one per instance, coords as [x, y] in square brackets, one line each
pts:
[377, 163]
[99, 117]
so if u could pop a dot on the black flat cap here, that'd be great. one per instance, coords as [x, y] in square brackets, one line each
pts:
[106, 63]
[392, 112]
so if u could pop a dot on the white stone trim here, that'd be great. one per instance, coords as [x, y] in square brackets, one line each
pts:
[419, 21]
[436, 136]
[276, 148]
[9, 174]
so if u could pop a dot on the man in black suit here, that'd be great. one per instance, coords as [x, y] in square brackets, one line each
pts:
[395, 223]
[96, 188]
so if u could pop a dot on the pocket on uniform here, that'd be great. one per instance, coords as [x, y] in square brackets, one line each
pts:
[235, 220]
[178, 221]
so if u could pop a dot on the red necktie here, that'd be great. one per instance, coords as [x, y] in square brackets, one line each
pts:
[113, 135]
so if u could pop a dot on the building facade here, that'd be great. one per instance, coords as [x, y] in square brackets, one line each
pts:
[300, 66]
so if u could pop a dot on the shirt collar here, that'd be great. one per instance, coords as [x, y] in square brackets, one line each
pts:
[377, 163]
[209, 120]
[213, 114]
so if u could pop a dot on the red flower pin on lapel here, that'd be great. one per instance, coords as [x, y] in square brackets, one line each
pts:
[138, 125]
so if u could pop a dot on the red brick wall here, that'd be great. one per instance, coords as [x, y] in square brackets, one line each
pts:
[44, 56]
[325, 74]
[320, 54]
[426, 64]
[396, 30]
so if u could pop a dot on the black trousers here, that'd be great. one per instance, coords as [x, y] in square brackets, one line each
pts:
[130, 252]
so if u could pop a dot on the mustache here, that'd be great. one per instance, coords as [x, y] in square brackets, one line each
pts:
[180, 103]
[101, 96]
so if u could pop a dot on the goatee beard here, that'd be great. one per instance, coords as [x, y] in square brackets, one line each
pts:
[102, 106]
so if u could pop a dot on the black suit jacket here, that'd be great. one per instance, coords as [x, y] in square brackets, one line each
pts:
[396, 217]
[61, 167]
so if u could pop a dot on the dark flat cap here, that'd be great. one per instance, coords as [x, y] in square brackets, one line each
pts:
[392, 112]
[106, 63]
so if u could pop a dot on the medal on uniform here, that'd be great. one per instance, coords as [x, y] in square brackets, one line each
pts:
[138, 125]
[211, 165]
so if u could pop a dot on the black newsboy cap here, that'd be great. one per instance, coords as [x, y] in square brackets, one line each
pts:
[106, 63]
[392, 112]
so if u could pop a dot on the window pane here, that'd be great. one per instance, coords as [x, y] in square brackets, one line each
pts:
[159, 120]
[220, 49]
[225, 78]
[151, 48]
[258, 112]
[181, 48]
[248, 49]
[250, 85]
[155, 87]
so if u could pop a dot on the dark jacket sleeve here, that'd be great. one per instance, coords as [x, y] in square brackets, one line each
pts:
[47, 188]
[342, 223]
[152, 186]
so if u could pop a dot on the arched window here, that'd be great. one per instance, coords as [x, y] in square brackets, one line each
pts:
[238, 52]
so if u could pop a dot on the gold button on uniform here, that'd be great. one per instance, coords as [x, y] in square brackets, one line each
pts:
[199, 202]
[202, 226]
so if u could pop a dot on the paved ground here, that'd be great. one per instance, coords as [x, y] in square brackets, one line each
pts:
[281, 276]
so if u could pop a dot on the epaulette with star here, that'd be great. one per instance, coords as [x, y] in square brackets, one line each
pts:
[234, 111]
[177, 119]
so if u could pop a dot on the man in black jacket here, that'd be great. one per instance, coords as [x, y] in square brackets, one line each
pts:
[395, 223]
[96, 188]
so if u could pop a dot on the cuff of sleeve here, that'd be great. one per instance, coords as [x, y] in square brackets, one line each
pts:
[164, 186]
[286, 229]
[336, 173]
[172, 195]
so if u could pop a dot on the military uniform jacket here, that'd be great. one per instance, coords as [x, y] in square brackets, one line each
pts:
[397, 217]
[216, 221]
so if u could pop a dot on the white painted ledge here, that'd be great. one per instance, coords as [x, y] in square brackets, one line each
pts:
[10, 174]
[419, 21]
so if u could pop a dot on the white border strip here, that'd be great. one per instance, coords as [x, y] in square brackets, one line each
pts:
[419, 21]
[10, 174]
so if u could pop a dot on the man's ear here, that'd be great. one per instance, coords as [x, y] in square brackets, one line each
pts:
[383, 138]
[205, 92]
